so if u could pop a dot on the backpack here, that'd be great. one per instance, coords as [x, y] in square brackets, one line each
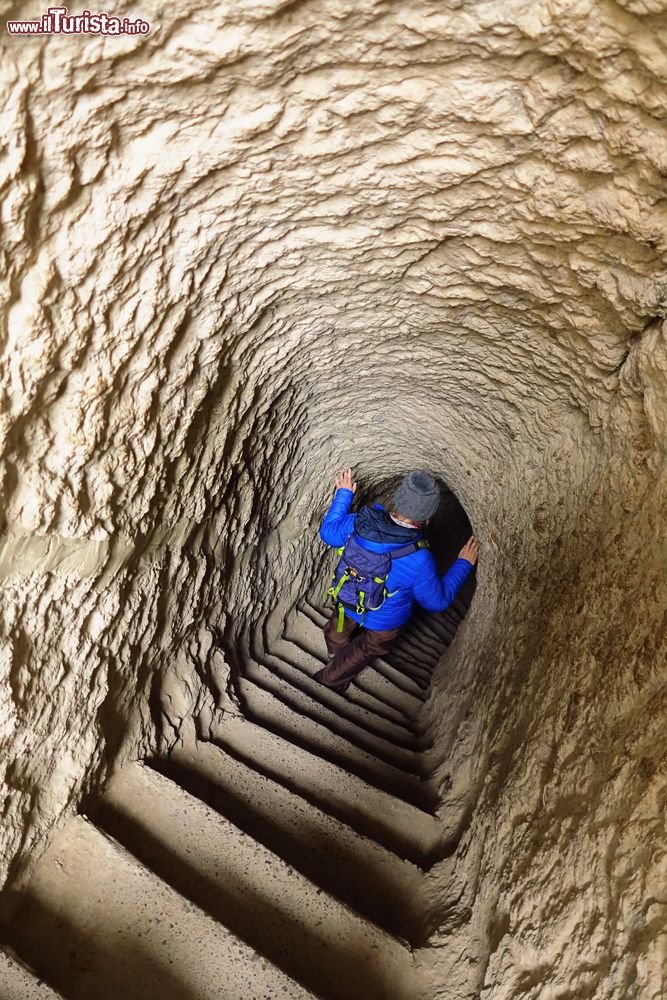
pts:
[359, 579]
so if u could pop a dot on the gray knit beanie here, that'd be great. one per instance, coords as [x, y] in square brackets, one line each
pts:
[418, 496]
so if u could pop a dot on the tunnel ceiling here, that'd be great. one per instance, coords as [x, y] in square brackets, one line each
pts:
[270, 239]
[476, 188]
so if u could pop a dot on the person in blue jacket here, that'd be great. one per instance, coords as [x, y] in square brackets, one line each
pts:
[413, 577]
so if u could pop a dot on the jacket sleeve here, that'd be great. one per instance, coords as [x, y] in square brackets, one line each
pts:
[436, 593]
[338, 523]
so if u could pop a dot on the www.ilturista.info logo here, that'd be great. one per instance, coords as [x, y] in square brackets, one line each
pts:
[58, 21]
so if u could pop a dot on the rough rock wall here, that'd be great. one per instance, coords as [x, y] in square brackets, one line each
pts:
[273, 238]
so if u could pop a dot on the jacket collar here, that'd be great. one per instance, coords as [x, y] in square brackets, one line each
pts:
[375, 525]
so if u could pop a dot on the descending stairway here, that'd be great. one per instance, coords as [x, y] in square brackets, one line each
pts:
[283, 857]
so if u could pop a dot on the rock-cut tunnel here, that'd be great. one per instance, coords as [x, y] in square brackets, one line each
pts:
[260, 243]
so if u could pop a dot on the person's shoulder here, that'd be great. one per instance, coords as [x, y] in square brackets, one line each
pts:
[419, 565]
[425, 553]
[423, 558]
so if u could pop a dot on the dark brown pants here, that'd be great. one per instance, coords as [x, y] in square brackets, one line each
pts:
[351, 653]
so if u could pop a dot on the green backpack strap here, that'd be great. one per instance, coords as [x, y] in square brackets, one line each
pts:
[330, 591]
[335, 591]
[341, 618]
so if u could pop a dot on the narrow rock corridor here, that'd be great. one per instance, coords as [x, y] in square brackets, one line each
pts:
[259, 242]
[301, 829]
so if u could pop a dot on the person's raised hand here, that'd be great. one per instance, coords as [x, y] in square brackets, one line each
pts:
[470, 550]
[344, 480]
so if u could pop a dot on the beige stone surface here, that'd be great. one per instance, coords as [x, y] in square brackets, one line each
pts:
[17, 982]
[272, 239]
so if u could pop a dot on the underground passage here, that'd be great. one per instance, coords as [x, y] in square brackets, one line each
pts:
[259, 243]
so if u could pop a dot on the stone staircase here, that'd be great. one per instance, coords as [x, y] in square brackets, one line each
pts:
[283, 857]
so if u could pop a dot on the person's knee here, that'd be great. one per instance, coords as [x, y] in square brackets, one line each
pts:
[381, 642]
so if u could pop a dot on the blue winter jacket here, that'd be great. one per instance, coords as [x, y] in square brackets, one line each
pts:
[415, 576]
